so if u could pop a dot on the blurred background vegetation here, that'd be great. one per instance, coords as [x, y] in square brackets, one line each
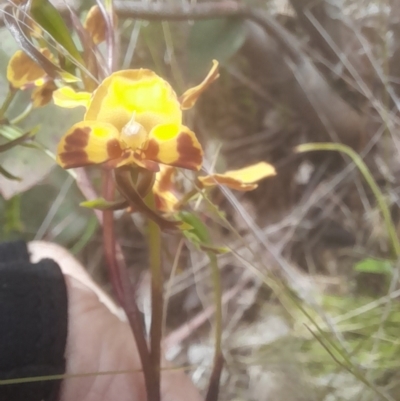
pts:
[311, 289]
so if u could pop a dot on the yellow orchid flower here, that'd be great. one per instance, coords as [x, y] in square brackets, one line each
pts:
[24, 73]
[244, 179]
[134, 117]
[95, 24]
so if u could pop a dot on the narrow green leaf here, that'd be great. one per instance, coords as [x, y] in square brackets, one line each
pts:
[102, 204]
[198, 233]
[16, 141]
[16, 30]
[12, 215]
[376, 266]
[8, 175]
[48, 17]
[91, 228]
[218, 250]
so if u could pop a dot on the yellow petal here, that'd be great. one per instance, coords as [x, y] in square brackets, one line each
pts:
[135, 91]
[96, 25]
[244, 179]
[68, 98]
[43, 94]
[189, 98]
[163, 189]
[23, 72]
[174, 146]
[89, 142]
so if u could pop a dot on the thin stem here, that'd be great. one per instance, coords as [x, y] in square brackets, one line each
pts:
[109, 236]
[157, 298]
[124, 289]
[7, 102]
[23, 115]
[170, 280]
[213, 388]
[362, 167]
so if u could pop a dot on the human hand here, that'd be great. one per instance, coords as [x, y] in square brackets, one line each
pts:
[100, 340]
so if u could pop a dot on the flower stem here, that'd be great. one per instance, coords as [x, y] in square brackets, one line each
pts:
[157, 298]
[213, 387]
[109, 237]
[7, 101]
[124, 289]
[23, 115]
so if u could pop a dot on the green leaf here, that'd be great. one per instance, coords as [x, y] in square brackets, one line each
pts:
[198, 233]
[86, 236]
[29, 164]
[376, 266]
[218, 250]
[8, 175]
[17, 141]
[18, 34]
[217, 39]
[102, 204]
[48, 17]
[12, 215]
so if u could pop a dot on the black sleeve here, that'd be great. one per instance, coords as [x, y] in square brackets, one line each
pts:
[33, 324]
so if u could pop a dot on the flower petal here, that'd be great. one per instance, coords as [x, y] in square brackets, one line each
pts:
[173, 145]
[89, 142]
[135, 91]
[43, 94]
[244, 179]
[23, 72]
[68, 98]
[189, 98]
[162, 189]
[96, 25]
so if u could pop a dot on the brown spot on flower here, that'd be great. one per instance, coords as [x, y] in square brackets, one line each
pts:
[114, 149]
[73, 153]
[152, 150]
[76, 158]
[43, 94]
[165, 181]
[190, 156]
[77, 139]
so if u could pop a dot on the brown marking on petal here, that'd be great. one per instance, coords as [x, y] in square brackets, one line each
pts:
[43, 94]
[77, 139]
[74, 158]
[165, 181]
[73, 153]
[152, 150]
[189, 156]
[114, 149]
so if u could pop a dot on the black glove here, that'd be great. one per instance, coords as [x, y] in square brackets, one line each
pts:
[33, 324]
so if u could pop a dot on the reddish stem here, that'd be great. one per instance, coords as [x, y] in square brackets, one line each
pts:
[124, 289]
[109, 242]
